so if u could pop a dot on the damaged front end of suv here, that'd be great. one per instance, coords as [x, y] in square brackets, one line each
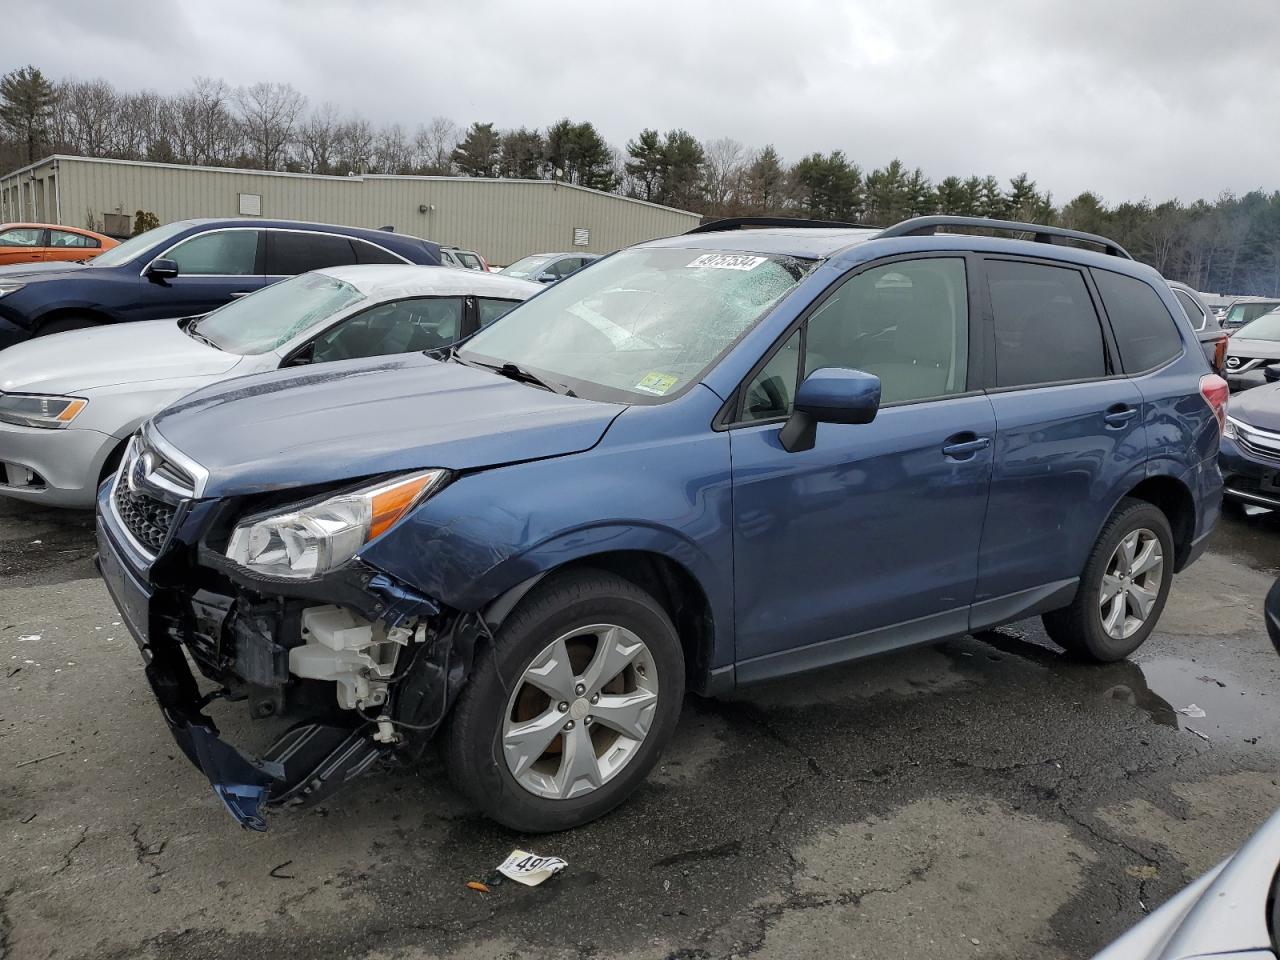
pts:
[265, 596]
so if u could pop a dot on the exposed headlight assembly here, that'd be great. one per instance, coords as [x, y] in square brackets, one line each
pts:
[1230, 431]
[312, 540]
[8, 288]
[36, 410]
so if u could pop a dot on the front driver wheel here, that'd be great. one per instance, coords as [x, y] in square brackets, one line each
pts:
[1123, 588]
[564, 717]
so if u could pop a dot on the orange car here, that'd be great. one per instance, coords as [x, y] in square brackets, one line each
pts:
[42, 242]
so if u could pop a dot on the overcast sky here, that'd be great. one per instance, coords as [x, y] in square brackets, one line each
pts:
[1133, 99]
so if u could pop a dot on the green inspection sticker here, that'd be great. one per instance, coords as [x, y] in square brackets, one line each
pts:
[658, 383]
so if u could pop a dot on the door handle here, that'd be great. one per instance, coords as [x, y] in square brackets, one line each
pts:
[241, 293]
[1119, 414]
[964, 445]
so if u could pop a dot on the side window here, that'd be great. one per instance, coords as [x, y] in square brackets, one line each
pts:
[1192, 309]
[491, 310]
[469, 260]
[1145, 331]
[769, 394]
[21, 237]
[906, 322]
[368, 253]
[402, 326]
[1046, 327]
[225, 252]
[289, 254]
[564, 266]
[61, 238]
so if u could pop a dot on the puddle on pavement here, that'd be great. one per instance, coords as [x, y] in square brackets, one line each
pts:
[1166, 688]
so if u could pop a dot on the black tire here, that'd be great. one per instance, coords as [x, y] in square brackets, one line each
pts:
[472, 742]
[63, 324]
[1078, 628]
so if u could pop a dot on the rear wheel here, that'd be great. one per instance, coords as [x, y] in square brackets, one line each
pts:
[1123, 588]
[63, 324]
[563, 718]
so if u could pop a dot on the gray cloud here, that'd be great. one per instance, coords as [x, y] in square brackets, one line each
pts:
[1145, 98]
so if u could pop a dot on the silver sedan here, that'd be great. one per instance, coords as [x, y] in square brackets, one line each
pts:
[69, 402]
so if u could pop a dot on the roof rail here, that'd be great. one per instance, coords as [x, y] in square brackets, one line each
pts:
[925, 226]
[738, 223]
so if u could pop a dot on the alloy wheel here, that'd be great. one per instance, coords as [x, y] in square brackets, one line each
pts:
[580, 711]
[1131, 583]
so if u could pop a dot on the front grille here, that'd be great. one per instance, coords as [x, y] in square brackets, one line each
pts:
[147, 519]
[1265, 445]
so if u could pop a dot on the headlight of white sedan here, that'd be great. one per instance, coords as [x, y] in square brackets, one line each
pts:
[309, 541]
[36, 410]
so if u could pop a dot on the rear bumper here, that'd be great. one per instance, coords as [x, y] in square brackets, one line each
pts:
[66, 464]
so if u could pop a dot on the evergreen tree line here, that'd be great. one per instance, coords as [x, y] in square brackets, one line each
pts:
[1230, 245]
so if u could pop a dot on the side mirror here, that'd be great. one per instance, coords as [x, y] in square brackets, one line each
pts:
[1272, 373]
[546, 278]
[304, 356]
[830, 395]
[1271, 612]
[162, 268]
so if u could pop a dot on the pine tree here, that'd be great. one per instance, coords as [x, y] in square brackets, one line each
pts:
[26, 106]
[647, 163]
[766, 182]
[521, 154]
[477, 154]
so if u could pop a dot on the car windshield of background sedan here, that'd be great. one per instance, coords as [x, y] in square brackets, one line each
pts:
[526, 268]
[642, 324]
[276, 314]
[136, 245]
[1266, 327]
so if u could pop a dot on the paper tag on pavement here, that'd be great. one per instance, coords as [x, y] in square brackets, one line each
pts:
[529, 869]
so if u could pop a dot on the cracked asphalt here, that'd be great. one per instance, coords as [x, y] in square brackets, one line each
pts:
[982, 798]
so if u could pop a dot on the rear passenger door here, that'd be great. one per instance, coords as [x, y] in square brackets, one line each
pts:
[877, 526]
[1068, 429]
[290, 252]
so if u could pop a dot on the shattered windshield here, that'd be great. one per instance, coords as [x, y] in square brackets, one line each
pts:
[640, 325]
[276, 314]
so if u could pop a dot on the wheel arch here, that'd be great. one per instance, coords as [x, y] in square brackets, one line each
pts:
[1174, 500]
[61, 313]
[669, 581]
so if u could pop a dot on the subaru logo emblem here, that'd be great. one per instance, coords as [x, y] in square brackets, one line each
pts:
[141, 467]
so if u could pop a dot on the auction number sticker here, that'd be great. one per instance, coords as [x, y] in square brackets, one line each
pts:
[658, 383]
[728, 261]
[529, 869]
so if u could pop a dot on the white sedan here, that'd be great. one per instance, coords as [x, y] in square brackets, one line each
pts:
[69, 402]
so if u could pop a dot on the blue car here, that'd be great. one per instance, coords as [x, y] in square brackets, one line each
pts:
[708, 461]
[186, 268]
[1250, 457]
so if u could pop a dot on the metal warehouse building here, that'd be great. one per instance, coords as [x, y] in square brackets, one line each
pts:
[502, 219]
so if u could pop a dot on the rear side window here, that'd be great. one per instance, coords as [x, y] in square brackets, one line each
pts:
[1192, 310]
[289, 254]
[63, 238]
[1046, 328]
[491, 310]
[368, 253]
[1145, 330]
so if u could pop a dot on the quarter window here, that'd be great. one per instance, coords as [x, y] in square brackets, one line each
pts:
[64, 238]
[907, 322]
[1145, 331]
[1192, 309]
[223, 253]
[770, 393]
[403, 326]
[1046, 328]
[21, 237]
[491, 310]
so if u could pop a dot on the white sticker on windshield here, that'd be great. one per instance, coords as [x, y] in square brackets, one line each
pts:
[728, 261]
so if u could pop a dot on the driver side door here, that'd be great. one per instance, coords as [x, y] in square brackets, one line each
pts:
[213, 269]
[869, 540]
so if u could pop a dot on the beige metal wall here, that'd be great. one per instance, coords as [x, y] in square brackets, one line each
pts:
[503, 219]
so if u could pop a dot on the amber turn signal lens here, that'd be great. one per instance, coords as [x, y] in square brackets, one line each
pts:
[392, 502]
[74, 407]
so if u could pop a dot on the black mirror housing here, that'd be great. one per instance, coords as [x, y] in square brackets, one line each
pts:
[830, 395]
[162, 268]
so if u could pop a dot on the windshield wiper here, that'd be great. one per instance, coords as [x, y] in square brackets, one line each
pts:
[190, 331]
[519, 374]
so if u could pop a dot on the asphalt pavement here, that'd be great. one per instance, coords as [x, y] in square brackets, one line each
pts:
[986, 797]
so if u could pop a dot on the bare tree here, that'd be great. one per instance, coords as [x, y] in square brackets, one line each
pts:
[203, 129]
[269, 114]
[353, 147]
[91, 111]
[434, 145]
[317, 139]
[722, 172]
[392, 152]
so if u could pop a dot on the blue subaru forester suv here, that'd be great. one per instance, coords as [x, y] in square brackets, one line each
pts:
[704, 461]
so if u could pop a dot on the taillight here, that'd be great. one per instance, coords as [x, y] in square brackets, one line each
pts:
[1215, 392]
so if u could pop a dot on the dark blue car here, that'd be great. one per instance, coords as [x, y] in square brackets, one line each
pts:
[186, 268]
[1251, 448]
[706, 461]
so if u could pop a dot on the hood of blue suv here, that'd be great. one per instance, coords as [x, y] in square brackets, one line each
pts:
[1259, 407]
[339, 421]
